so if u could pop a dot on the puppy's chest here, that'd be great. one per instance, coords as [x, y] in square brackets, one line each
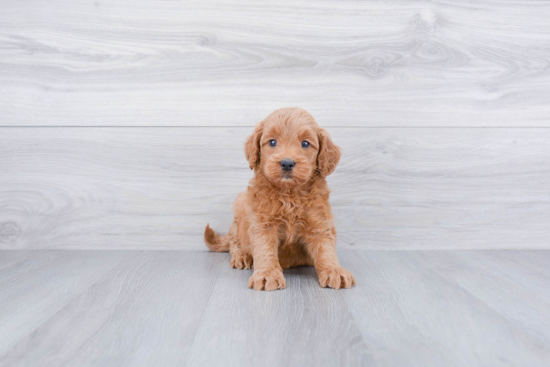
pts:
[291, 210]
[291, 219]
[289, 213]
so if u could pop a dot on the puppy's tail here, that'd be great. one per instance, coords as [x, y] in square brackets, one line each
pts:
[214, 242]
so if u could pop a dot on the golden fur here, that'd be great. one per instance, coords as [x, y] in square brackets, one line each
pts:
[284, 218]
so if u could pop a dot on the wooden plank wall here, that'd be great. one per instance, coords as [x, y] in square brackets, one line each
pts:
[122, 123]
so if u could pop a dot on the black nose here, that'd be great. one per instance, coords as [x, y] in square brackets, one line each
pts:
[287, 164]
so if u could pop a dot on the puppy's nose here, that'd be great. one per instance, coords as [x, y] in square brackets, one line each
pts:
[287, 164]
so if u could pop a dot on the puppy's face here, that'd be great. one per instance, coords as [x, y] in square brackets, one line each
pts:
[290, 149]
[288, 152]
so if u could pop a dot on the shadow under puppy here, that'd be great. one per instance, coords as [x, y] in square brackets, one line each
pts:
[284, 218]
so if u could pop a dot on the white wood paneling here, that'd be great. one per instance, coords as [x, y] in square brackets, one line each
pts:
[230, 63]
[156, 188]
[441, 108]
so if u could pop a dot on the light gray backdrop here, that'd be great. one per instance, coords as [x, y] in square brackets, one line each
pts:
[122, 124]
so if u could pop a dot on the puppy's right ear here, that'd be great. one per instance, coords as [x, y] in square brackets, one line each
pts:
[252, 146]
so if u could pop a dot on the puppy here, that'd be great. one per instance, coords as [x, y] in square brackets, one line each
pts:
[284, 218]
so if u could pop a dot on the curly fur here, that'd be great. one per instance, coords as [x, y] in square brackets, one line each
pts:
[284, 220]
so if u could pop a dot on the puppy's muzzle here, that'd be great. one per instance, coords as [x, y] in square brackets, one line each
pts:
[287, 164]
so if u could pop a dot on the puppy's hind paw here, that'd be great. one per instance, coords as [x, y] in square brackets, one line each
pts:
[241, 261]
[267, 280]
[336, 278]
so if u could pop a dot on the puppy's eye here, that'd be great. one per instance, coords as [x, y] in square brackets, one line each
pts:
[305, 144]
[273, 142]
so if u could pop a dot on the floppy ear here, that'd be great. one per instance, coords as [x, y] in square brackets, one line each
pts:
[329, 154]
[252, 146]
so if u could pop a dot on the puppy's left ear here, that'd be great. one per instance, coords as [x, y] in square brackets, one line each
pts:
[329, 154]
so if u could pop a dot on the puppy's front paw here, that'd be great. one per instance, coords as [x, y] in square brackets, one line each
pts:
[336, 278]
[269, 280]
[241, 261]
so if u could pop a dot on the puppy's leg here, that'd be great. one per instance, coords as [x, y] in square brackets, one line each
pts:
[322, 249]
[240, 260]
[239, 247]
[268, 274]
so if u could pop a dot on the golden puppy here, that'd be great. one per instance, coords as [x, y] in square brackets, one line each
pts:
[284, 217]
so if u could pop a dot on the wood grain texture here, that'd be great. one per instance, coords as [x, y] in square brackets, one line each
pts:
[306, 326]
[145, 188]
[174, 308]
[460, 308]
[230, 63]
[52, 278]
[144, 312]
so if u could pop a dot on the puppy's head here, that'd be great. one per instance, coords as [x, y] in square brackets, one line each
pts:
[289, 148]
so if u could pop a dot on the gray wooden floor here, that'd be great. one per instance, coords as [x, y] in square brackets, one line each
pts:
[188, 308]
